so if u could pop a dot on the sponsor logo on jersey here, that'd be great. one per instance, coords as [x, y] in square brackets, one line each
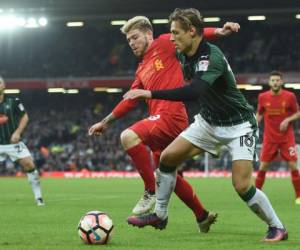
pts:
[158, 64]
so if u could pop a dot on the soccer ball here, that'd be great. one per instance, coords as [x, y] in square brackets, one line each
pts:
[95, 227]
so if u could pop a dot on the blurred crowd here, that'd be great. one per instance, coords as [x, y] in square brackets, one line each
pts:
[58, 140]
[58, 51]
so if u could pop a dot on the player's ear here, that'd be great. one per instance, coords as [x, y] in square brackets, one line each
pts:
[193, 30]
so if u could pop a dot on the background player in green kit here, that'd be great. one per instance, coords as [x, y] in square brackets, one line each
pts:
[224, 118]
[13, 120]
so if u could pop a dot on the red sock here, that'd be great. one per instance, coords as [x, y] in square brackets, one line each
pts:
[260, 179]
[296, 181]
[185, 192]
[142, 162]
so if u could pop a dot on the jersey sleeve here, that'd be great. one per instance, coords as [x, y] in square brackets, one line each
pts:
[209, 33]
[19, 107]
[260, 107]
[210, 69]
[124, 106]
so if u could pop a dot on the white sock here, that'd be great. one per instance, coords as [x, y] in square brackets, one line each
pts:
[34, 180]
[165, 184]
[261, 205]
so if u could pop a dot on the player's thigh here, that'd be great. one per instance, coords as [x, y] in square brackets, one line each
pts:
[178, 151]
[129, 138]
[147, 129]
[269, 152]
[288, 151]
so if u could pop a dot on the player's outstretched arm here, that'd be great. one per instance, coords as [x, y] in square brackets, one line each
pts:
[137, 94]
[100, 127]
[189, 92]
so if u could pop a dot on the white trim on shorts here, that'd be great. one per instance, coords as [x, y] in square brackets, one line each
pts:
[14, 151]
[239, 139]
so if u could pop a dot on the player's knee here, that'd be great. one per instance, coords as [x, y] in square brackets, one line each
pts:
[27, 164]
[129, 139]
[241, 187]
[126, 137]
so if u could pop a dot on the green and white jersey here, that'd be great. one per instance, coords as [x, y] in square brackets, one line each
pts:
[11, 111]
[222, 104]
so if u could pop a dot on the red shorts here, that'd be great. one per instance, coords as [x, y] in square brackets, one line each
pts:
[158, 131]
[287, 151]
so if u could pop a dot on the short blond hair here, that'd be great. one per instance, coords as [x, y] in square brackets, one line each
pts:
[137, 22]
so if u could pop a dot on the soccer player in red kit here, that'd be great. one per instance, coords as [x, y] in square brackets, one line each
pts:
[278, 108]
[158, 69]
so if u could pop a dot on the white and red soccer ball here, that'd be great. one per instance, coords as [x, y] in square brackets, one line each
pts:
[95, 227]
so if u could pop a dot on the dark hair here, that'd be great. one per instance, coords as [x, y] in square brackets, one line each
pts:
[276, 73]
[188, 17]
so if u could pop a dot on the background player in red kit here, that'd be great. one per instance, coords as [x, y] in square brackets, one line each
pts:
[278, 108]
[158, 69]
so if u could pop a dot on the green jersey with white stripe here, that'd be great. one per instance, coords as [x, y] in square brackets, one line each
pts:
[11, 111]
[222, 104]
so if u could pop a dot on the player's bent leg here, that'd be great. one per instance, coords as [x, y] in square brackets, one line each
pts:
[33, 178]
[177, 152]
[166, 181]
[256, 200]
[141, 159]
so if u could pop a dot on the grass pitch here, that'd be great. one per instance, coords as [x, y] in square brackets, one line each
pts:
[26, 226]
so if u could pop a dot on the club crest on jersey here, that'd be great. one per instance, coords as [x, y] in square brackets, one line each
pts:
[158, 64]
[202, 65]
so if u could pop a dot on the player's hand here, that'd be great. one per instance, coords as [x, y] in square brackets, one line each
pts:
[284, 125]
[98, 128]
[137, 94]
[15, 137]
[228, 29]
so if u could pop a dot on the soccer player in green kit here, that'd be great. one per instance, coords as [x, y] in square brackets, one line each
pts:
[224, 118]
[13, 120]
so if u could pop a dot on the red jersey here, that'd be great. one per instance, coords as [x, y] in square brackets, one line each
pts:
[275, 108]
[159, 70]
